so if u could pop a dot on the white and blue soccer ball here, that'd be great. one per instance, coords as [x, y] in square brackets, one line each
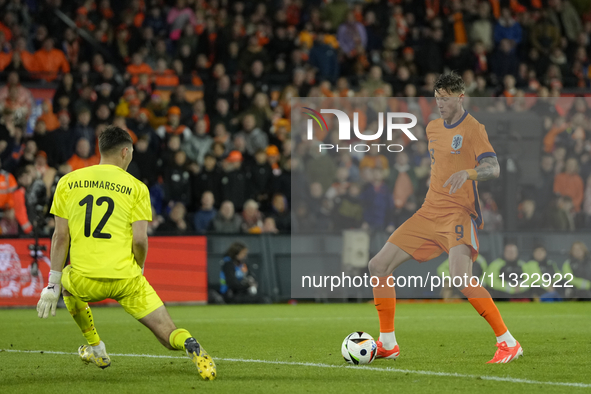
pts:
[359, 348]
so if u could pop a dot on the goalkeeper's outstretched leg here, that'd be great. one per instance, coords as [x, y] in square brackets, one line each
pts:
[160, 323]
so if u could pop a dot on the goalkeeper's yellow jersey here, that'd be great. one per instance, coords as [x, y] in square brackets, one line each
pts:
[100, 203]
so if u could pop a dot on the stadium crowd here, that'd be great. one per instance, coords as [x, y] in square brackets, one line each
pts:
[203, 87]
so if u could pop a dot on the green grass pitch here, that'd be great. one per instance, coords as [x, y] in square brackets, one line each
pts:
[296, 349]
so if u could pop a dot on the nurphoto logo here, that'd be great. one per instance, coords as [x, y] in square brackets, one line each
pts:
[345, 129]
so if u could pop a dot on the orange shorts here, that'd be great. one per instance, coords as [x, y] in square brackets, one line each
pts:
[425, 235]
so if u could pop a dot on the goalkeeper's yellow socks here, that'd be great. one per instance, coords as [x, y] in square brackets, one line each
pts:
[178, 337]
[82, 315]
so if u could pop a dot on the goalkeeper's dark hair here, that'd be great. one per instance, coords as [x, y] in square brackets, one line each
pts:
[450, 83]
[235, 249]
[112, 139]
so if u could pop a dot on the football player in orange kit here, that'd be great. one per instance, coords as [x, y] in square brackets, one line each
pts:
[461, 155]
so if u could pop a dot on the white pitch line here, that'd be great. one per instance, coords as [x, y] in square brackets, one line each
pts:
[319, 365]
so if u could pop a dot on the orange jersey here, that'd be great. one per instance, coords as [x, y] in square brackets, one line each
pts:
[7, 188]
[454, 148]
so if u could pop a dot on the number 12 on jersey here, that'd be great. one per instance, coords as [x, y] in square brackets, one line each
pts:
[89, 202]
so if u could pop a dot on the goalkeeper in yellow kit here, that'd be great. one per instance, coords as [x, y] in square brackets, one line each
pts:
[103, 212]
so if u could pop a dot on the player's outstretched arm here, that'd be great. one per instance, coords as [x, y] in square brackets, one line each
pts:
[488, 168]
[60, 242]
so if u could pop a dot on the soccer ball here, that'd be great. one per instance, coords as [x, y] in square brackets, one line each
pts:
[359, 348]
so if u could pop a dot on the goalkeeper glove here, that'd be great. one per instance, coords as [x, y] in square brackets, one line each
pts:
[50, 295]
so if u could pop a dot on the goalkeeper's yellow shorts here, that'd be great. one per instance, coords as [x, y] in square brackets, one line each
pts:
[135, 295]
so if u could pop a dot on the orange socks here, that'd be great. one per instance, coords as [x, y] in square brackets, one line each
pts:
[385, 302]
[481, 300]
[479, 297]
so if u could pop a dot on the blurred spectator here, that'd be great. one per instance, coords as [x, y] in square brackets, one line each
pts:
[480, 90]
[25, 180]
[63, 139]
[251, 218]
[15, 96]
[83, 129]
[579, 266]
[569, 183]
[49, 61]
[325, 58]
[175, 223]
[198, 143]
[348, 209]
[528, 218]
[403, 180]
[173, 125]
[340, 185]
[208, 179]
[504, 61]
[222, 114]
[144, 158]
[260, 176]
[254, 137]
[562, 13]
[269, 226]
[137, 68]
[351, 36]
[173, 145]
[587, 204]
[48, 117]
[226, 220]
[155, 20]
[509, 266]
[178, 99]
[378, 203]
[507, 28]
[204, 216]
[560, 215]
[280, 214]
[177, 180]
[375, 159]
[253, 51]
[545, 36]
[490, 212]
[320, 167]
[430, 56]
[43, 140]
[546, 269]
[83, 156]
[233, 180]
[8, 186]
[482, 27]
[545, 189]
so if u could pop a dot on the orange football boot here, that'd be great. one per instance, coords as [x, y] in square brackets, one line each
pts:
[504, 353]
[390, 354]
